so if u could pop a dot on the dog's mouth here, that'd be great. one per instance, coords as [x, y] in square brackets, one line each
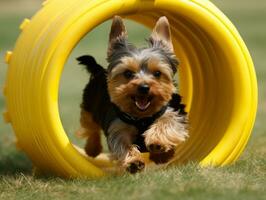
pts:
[142, 102]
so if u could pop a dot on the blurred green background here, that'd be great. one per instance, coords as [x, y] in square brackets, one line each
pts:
[250, 19]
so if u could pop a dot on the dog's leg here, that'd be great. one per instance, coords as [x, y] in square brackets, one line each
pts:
[120, 141]
[92, 131]
[164, 135]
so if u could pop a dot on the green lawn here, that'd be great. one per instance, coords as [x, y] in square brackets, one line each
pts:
[246, 179]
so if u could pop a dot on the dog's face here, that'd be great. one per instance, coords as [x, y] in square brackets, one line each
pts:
[140, 81]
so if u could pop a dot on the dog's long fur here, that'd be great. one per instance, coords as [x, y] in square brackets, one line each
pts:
[134, 101]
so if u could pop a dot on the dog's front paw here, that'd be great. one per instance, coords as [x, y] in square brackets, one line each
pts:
[158, 147]
[161, 153]
[162, 157]
[163, 137]
[135, 166]
[133, 161]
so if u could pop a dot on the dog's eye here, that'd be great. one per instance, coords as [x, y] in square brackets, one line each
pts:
[128, 74]
[157, 74]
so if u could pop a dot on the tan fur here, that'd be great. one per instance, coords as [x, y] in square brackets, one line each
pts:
[155, 64]
[121, 95]
[118, 30]
[92, 131]
[168, 131]
[121, 90]
[162, 32]
[127, 63]
[132, 156]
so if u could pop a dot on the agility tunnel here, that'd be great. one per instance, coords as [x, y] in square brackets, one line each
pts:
[216, 76]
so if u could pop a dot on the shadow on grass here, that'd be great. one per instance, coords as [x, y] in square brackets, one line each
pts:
[13, 162]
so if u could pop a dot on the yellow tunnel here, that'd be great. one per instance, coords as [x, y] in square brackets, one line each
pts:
[217, 79]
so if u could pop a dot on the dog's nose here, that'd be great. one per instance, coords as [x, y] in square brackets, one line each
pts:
[143, 89]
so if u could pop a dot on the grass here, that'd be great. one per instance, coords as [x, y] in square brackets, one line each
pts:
[246, 179]
[241, 181]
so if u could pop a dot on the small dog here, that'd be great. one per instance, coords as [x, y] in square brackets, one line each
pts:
[134, 101]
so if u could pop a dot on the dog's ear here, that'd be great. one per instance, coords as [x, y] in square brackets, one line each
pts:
[161, 34]
[118, 33]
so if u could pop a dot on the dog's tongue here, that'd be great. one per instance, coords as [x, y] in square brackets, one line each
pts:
[142, 103]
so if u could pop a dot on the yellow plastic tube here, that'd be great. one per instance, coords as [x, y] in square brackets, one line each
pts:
[217, 79]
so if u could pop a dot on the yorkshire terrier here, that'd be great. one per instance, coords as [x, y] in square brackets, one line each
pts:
[134, 100]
